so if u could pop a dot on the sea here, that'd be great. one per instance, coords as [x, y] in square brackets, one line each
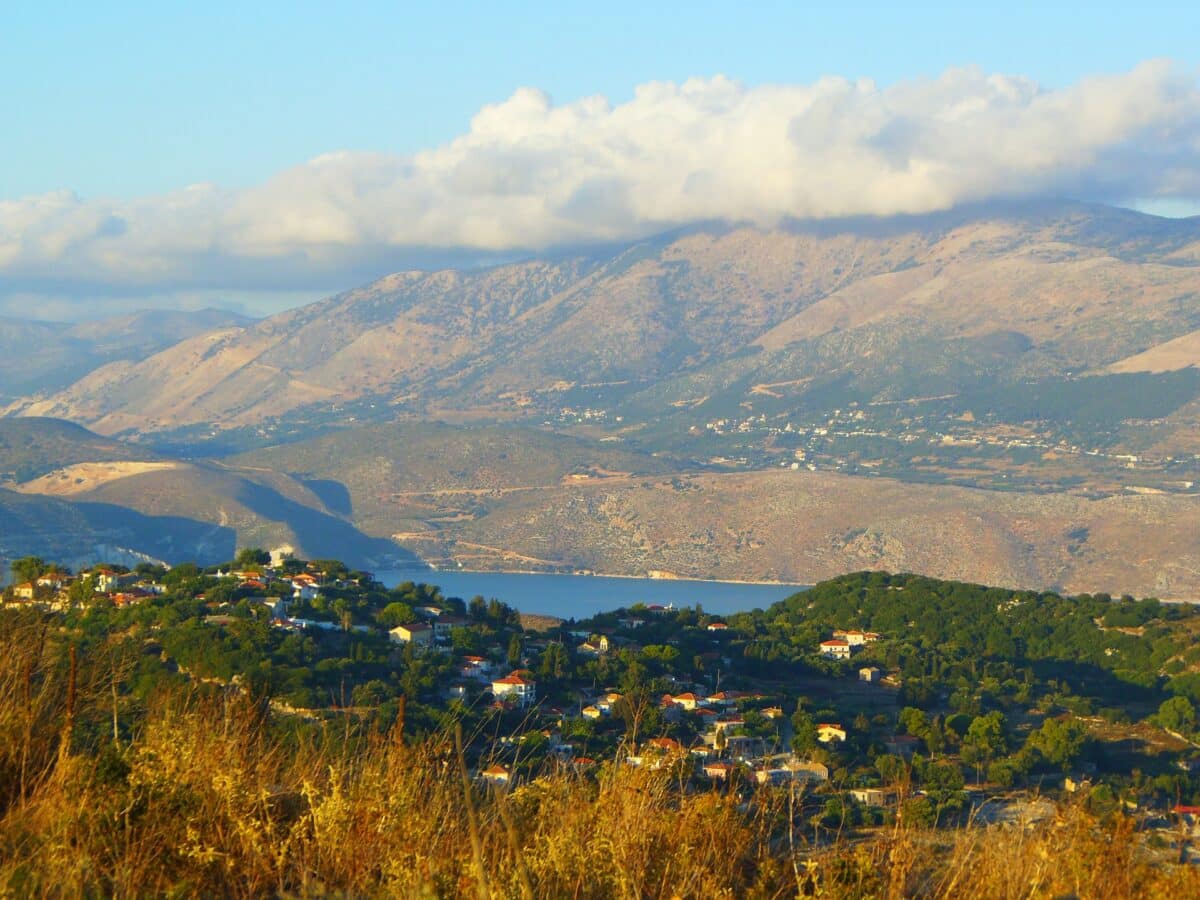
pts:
[582, 596]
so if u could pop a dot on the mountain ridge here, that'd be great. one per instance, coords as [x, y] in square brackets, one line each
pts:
[662, 309]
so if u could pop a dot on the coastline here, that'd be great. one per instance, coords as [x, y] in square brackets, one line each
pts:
[590, 574]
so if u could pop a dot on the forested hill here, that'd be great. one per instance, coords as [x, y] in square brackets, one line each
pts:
[934, 631]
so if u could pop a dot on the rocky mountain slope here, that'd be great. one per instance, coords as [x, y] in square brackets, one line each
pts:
[900, 305]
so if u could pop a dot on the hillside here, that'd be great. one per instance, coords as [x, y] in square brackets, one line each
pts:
[191, 740]
[76, 496]
[81, 533]
[33, 447]
[505, 498]
[371, 472]
[800, 527]
[38, 356]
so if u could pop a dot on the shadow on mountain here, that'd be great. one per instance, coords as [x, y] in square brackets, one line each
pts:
[323, 535]
[173, 539]
[332, 493]
[78, 533]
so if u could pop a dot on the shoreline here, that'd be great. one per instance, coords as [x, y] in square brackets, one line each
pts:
[576, 574]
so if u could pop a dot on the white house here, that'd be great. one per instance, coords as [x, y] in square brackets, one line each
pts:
[302, 590]
[418, 633]
[869, 674]
[523, 690]
[856, 638]
[871, 796]
[687, 700]
[835, 649]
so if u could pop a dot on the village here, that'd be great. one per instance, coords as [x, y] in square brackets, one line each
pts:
[650, 686]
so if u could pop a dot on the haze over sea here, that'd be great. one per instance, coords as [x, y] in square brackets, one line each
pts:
[581, 596]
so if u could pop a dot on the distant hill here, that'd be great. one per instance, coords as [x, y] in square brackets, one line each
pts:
[70, 491]
[801, 527]
[37, 356]
[79, 534]
[373, 472]
[30, 447]
[503, 498]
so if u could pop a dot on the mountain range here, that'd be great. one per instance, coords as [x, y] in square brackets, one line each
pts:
[1027, 372]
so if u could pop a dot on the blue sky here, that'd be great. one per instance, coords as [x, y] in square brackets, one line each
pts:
[262, 154]
[128, 98]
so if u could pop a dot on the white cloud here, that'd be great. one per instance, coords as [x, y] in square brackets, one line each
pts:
[530, 175]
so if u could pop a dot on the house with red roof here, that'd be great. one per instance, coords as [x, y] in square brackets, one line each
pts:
[515, 687]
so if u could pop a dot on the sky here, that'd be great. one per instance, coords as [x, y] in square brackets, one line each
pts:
[261, 155]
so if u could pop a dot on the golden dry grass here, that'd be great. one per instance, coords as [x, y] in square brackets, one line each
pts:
[210, 797]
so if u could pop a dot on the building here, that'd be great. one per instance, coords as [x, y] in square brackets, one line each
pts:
[809, 771]
[872, 796]
[665, 745]
[304, 591]
[718, 770]
[516, 687]
[497, 775]
[688, 701]
[856, 638]
[835, 649]
[443, 625]
[869, 674]
[830, 732]
[418, 634]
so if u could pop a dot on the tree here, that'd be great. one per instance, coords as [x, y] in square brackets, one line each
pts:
[919, 811]
[28, 568]
[83, 591]
[1058, 741]
[984, 740]
[252, 556]
[514, 651]
[396, 613]
[804, 732]
[1177, 714]
[179, 574]
[554, 662]
[892, 769]
[477, 609]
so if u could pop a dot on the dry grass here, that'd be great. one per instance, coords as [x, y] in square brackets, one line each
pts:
[211, 797]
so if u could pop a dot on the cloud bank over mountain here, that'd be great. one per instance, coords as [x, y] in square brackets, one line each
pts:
[530, 175]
